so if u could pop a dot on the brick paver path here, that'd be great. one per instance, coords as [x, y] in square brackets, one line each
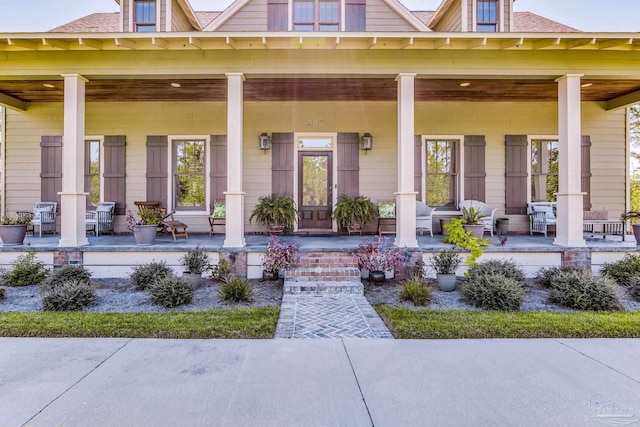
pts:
[329, 316]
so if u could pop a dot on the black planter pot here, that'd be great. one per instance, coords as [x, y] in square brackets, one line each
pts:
[377, 277]
[269, 275]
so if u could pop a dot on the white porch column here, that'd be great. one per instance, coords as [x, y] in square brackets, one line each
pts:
[406, 195]
[73, 199]
[234, 237]
[569, 198]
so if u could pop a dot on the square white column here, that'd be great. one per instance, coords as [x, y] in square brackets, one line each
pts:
[73, 199]
[569, 228]
[234, 237]
[406, 195]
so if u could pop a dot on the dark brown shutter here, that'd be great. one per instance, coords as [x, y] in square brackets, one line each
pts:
[218, 167]
[51, 168]
[277, 13]
[355, 15]
[157, 158]
[114, 172]
[349, 164]
[282, 163]
[586, 171]
[417, 165]
[474, 167]
[517, 177]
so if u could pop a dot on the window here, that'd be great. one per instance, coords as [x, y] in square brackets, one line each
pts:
[544, 170]
[316, 15]
[441, 171]
[92, 171]
[145, 15]
[487, 16]
[189, 174]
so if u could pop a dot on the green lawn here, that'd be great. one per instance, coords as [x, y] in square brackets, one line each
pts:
[411, 323]
[257, 322]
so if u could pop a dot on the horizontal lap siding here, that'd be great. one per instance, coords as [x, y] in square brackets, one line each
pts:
[179, 21]
[380, 17]
[252, 17]
[452, 19]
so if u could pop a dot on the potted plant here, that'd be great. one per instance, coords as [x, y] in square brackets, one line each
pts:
[445, 264]
[634, 216]
[13, 229]
[275, 212]
[377, 256]
[471, 221]
[279, 256]
[144, 225]
[354, 212]
[458, 236]
[195, 262]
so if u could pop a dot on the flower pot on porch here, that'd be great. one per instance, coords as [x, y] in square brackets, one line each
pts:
[145, 234]
[502, 226]
[269, 275]
[12, 234]
[276, 229]
[377, 277]
[446, 282]
[477, 230]
[636, 232]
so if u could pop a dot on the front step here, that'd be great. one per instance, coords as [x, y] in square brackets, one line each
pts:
[323, 273]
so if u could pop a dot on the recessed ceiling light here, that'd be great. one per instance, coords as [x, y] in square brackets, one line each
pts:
[586, 85]
[176, 84]
[465, 84]
[48, 85]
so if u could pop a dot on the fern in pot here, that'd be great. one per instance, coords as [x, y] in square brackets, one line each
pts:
[195, 262]
[276, 212]
[445, 264]
[352, 213]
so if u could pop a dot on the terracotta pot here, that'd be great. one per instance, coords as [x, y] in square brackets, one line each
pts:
[477, 230]
[145, 234]
[269, 275]
[446, 282]
[377, 277]
[12, 234]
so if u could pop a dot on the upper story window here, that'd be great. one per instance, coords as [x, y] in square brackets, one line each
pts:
[145, 15]
[487, 16]
[316, 15]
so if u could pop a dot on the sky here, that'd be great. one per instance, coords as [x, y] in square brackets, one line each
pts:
[585, 15]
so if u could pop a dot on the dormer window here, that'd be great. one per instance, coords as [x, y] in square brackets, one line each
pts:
[145, 15]
[316, 15]
[487, 16]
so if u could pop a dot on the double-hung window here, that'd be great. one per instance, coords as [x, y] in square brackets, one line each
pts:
[487, 16]
[544, 170]
[144, 15]
[441, 172]
[189, 172]
[316, 15]
[92, 169]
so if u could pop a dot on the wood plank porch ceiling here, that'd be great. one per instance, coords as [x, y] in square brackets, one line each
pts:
[315, 89]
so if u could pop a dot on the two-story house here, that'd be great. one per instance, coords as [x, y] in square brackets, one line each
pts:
[323, 97]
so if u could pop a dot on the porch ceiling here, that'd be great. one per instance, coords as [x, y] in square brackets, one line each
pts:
[315, 89]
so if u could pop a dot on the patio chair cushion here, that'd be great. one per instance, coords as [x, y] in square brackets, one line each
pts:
[421, 209]
[219, 211]
[103, 208]
[387, 210]
[548, 210]
[37, 212]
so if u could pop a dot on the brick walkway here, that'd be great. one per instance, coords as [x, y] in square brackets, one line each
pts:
[329, 316]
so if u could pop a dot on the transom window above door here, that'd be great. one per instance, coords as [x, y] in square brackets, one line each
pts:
[315, 143]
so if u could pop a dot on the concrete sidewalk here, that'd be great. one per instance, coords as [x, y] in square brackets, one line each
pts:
[148, 382]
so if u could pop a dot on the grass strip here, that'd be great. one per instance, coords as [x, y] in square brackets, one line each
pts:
[258, 322]
[449, 324]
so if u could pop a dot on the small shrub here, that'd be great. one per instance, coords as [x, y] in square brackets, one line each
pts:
[26, 271]
[235, 290]
[494, 292]
[414, 291]
[634, 288]
[144, 275]
[583, 291]
[506, 268]
[221, 271]
[622, 271]
[3, 293]
[195, 261]
[548, 276]
[70, 295]
[68, 273]
[170, 291]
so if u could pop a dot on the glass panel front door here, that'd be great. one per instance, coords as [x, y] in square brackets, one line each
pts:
[314, 189]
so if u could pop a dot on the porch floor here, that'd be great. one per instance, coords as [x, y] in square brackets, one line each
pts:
[333, 242]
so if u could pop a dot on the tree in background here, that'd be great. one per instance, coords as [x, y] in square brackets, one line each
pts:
[634, 132]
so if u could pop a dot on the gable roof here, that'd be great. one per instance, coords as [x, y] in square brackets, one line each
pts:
[94, 23]
[527, 22]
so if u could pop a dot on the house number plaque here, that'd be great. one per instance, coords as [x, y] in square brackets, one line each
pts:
[312, 123]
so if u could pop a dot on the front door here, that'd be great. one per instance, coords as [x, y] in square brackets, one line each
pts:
[314, 189]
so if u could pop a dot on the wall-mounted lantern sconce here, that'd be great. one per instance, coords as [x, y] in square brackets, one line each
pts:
[366, 142]
[265, 141]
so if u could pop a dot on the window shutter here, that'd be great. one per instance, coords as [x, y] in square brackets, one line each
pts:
[417, 166]
[474, 167]
[277, 15]
[157, 158]
[218, 166]
[114, 174]
[586, 171]
[517, 177]
[355, 15]
[282, 163]
[51, 168]
[349, 164]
